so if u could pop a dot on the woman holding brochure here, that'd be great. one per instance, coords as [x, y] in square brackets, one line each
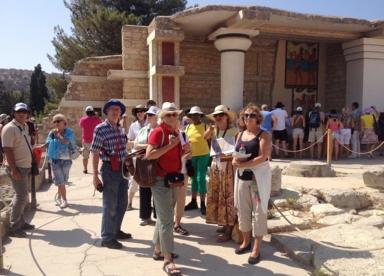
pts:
[252, 181]
[220, 200]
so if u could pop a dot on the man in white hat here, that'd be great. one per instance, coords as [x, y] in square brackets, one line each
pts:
[3, 118]
[88, 124]
[200, 158]
[17, 147]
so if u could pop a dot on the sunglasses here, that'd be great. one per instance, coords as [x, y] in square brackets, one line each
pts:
[171, 115]
[219, 115]
[22, 111]
[57, 121]
[250, 116]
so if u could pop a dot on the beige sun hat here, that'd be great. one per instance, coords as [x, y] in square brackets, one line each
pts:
[222, 109]
[168, 107]
[195, 110]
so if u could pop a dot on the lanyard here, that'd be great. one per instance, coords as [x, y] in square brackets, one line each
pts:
[218, 132]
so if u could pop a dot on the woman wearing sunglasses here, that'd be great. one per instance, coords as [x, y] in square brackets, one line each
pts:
[164, 145]
[252, 182]
[59, 141]
[220, 199]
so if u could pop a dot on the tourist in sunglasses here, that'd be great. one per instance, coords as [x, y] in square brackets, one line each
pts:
[164, 145]
[200, 158]
[252, 182]
[220, 199]
[59, 142]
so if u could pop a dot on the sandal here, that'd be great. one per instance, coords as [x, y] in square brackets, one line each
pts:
[223, 238]
[159, 257]
[180, 230]
[171, 269]
[221, 230]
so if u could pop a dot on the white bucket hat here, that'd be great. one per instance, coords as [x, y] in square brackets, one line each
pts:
[222, 109]
[153, 110]
[195, 110]
[168, 107]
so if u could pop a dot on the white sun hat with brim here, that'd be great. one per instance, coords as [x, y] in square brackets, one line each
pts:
[153, 110]
[222, 109]
[195, 110]
[167, 108]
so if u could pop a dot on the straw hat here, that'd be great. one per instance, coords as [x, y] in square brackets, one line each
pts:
[168, 107]
[222, 109]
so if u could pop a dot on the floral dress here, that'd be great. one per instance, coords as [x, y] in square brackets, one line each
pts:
[220, 197]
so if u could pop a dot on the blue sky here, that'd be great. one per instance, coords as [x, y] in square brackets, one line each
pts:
[26, 26]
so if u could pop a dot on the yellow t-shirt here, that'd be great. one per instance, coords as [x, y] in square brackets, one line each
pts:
[195, 133]
[368, 120]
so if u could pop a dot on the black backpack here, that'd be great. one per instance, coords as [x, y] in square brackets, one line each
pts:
[314, 119]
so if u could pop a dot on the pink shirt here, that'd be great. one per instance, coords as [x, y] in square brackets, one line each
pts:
[88, 125]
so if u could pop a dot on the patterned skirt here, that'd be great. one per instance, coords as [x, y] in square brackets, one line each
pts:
[369, 136]
[220, 197]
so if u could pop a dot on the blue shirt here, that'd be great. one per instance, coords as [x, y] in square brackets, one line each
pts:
[58, 150]
[109, 140]
[267, 121]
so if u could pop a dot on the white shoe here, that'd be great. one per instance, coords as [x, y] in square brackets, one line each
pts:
[58, 201]
[63, 204]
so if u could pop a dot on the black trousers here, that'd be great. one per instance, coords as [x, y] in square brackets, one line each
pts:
[145, 203]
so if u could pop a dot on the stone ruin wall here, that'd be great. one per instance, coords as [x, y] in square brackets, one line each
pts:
[201, 83]
[88, 86]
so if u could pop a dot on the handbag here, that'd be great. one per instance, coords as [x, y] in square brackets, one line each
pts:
[74, 151]
[174, 180]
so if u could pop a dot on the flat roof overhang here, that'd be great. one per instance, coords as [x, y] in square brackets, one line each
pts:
[275, 23]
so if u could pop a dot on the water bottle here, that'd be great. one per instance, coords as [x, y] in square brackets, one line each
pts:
[242, 150]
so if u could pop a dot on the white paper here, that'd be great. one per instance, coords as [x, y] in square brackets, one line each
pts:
[223, 146]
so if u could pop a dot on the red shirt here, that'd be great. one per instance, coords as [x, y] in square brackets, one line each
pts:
[88, 125]
[170, 162]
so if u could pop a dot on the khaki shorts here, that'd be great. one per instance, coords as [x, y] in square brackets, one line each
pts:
[86, 150]
[315, 134]
[298, 133]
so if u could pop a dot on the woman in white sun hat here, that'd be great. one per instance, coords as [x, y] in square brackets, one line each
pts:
[220, 199]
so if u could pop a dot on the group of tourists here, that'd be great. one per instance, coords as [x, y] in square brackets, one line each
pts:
[353, 131]
[232, 149]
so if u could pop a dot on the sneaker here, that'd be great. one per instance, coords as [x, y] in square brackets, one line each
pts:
[112, 244]
[123, 236]
[63, 204]
[28, 226]
[191, 206]
[145, 222]
[85, 172]
[18, 234]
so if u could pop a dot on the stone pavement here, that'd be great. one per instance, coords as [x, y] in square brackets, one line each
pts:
[67, 242]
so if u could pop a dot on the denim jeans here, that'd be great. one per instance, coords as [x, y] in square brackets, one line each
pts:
[115, 201]
[20, 199]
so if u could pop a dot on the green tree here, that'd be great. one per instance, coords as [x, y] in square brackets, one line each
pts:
[97, 26]
[8, 99]
[38, 90]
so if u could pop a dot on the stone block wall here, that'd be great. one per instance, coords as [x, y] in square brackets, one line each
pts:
[135, 58]
[259, 71]
[335, 90]
[201, 83]
[88, 86]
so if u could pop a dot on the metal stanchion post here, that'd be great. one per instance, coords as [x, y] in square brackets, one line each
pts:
[329, 146]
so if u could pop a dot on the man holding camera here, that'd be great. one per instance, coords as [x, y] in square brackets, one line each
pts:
[109, 145]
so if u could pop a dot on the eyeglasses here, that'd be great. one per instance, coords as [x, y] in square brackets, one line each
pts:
[250, 115]
[171, 115]
[57, 121]
[218, 115]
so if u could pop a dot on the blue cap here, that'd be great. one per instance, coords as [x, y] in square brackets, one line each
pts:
[114, 102]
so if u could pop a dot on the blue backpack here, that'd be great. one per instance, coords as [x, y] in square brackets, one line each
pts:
[314, 119]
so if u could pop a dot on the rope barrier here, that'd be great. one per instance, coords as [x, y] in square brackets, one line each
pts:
[305, 236]
[301, 150]
[361, 153]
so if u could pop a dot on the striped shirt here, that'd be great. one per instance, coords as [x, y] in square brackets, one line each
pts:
[108, 141]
